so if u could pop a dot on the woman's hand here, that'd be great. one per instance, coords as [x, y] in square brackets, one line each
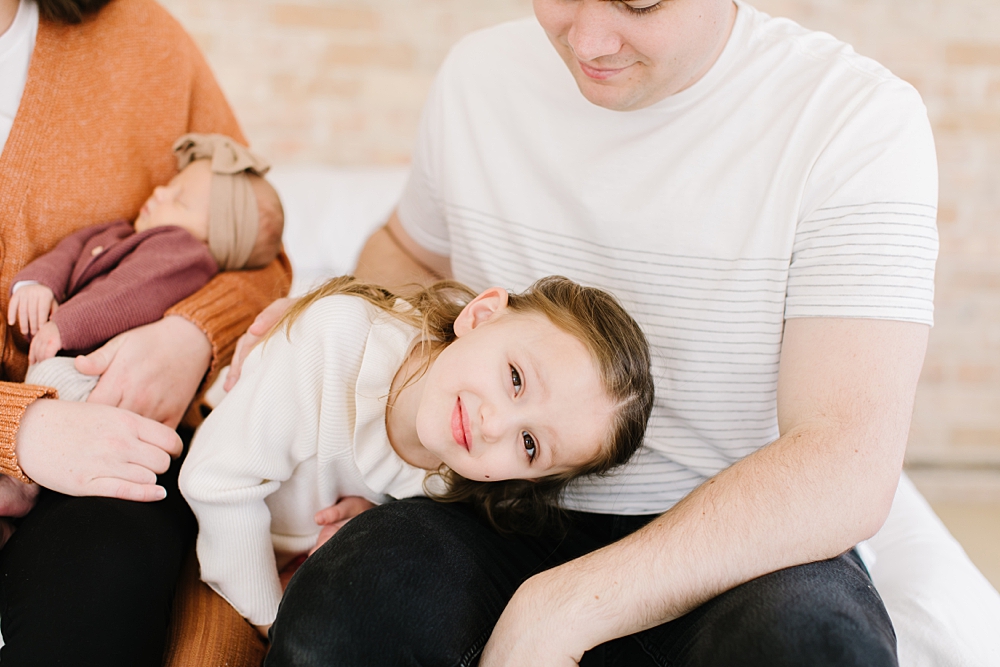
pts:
[261, 325]
[335, 516]
[153, 370]
[86, 449]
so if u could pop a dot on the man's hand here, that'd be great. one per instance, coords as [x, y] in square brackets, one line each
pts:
[83, 449]
[335, 516]
[536, 628]
[261, 325]
[31, 306]
[845, 399]
[45, 344]
[153, 370]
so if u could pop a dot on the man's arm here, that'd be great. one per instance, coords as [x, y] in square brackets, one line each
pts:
[392, 259]
[845, 398]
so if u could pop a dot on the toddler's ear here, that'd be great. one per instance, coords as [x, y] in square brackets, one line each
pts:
[480, 310]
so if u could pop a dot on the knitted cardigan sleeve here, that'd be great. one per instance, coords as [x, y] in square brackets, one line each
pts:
[15, 398]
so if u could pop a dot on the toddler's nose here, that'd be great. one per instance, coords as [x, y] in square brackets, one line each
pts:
[493, 425]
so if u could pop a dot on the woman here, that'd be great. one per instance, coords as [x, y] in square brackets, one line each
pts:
[94, 92]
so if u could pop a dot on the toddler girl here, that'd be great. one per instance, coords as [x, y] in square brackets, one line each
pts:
[497, 399]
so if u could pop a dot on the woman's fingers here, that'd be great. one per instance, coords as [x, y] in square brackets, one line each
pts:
[161, 437]
[114, 487]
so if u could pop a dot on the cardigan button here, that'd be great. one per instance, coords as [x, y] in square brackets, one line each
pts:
[97, 251]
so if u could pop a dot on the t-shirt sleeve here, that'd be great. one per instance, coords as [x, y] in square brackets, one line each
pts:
[420, 210]
[867, 242]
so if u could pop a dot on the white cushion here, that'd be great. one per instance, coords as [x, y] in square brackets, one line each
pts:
[329, 212]
[945, 612]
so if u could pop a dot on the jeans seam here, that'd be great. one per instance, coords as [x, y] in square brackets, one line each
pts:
[653, 652]
[471, 655]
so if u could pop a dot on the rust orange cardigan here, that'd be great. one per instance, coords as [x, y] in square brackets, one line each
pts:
[103, 103]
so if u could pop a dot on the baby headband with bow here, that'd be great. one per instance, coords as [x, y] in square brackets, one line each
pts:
[233, 219]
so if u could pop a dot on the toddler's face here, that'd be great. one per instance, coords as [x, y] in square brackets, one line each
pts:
[183, 202]
[514, 396]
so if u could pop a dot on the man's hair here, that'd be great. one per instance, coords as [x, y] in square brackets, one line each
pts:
[69, 11]
[616, 344]
[270, 221]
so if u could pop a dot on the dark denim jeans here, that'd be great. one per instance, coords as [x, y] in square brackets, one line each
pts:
[416, 582]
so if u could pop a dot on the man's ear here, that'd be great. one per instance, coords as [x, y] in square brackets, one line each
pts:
[481, 309]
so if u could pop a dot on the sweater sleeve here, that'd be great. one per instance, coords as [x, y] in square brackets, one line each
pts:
[255, 440]
[162, 269]
[14, 400]
[54, 268]
[228, 304]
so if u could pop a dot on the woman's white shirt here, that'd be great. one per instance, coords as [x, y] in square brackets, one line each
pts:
[16, 46]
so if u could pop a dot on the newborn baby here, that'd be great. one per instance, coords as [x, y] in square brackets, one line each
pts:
[217, 213]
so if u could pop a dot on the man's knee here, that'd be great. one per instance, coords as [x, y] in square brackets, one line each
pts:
[820, 614]
[409, 570]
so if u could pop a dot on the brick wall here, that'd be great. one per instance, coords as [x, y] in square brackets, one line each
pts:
[342, 82]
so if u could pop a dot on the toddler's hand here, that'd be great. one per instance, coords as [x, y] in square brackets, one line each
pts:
[31, 306]
[335, 516]
[45, 344]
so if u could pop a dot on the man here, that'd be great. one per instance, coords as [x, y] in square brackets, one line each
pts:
[763, 201]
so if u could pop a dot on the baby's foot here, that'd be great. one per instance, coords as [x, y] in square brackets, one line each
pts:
[16, 498]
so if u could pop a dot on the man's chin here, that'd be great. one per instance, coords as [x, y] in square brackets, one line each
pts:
[610, 95]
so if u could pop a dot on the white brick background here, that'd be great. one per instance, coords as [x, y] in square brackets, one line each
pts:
[342, 82]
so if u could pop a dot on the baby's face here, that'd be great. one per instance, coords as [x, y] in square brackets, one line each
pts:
[514, 398]
[183, 202]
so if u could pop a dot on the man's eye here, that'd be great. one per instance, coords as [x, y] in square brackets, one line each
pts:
[637, 7]
[515, 379]
[529, 445]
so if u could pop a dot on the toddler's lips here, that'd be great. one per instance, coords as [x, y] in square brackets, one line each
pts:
[458, 425]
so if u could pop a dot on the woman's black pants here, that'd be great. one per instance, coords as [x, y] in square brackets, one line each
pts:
[90, 581]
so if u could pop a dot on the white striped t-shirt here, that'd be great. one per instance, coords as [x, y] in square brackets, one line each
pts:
[795, 179]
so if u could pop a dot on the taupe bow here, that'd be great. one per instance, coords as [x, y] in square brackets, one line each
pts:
[233, 219]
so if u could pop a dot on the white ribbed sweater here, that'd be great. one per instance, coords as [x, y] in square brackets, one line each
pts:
[304, 426]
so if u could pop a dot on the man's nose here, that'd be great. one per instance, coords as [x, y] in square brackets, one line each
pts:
[593, 33]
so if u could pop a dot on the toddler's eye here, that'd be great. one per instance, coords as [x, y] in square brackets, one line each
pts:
[529, 445]
[515, 379]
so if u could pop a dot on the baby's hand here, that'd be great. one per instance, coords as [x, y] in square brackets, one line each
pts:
[31, 306]
[45, 344]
